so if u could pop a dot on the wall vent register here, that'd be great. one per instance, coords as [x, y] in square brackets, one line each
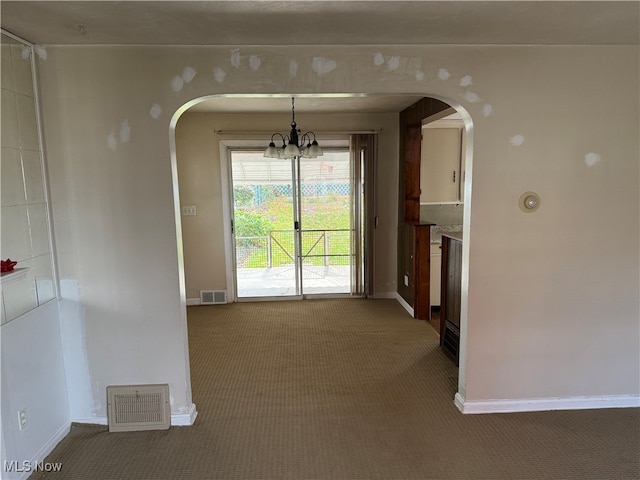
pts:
[133, 408]
[212, 297]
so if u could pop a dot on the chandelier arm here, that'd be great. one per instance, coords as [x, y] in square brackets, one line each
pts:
[308, 135]
[282, 137]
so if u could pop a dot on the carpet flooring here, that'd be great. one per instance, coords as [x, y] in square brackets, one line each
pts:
[343, 390]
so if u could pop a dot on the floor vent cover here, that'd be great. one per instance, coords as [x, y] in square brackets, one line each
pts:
[138, 407]
[212, 297]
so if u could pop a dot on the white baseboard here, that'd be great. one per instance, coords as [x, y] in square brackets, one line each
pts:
[184, 419]
[193, 301]
[91, 420]
[395, 296]
[546, 404]
[177, 419]
[404, 304]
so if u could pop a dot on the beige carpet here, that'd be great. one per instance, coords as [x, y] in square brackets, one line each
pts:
[343, 389]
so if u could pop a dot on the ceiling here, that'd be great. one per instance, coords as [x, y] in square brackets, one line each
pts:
[308, 22]
[345, 103]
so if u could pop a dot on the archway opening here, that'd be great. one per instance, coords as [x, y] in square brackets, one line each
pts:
[228, 117]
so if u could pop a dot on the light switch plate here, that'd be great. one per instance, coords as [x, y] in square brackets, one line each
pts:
[189, 210]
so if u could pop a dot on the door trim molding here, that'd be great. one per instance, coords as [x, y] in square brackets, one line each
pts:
[225, 180]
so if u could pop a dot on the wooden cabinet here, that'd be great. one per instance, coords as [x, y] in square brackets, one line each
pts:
[413, 280]
[422, 271]
[451, 295]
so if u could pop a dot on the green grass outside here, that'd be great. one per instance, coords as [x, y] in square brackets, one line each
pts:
[328, 212]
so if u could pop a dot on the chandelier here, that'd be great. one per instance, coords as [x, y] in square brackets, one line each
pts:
[293, 145]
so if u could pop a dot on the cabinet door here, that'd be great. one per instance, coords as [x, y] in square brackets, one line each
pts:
[422, 273]
[440, 172]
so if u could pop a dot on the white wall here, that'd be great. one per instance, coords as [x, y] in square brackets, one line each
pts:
[552, 296]
[33, 378]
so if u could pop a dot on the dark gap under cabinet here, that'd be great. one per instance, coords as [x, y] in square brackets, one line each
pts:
[451, 295]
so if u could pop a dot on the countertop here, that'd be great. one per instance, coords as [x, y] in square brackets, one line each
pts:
[437, 230]
[453, 235]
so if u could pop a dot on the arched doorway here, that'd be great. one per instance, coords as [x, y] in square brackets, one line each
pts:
[264, 120]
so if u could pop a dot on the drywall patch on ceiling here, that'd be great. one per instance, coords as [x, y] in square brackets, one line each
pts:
[466, 81]
[125, 131]
[293, 68]
[443, 74]
[155, 111]
[112, 143]
[219, 74]
[517, 140]
[254, 62]
[487, 109]
[177, 83]
[322, 65]
[419, 75]
[393, 63]
[235, 58]
[592, 159]
[188, 74]
[378, 59]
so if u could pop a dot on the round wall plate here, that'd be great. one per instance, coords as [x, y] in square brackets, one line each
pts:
[529, 202]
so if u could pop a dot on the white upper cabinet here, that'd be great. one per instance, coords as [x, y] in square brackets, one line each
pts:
[442, 165]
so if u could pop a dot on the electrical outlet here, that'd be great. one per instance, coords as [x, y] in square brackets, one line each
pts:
[406, 280]
[22, 418]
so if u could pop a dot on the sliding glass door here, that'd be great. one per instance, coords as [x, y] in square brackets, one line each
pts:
[294, 228]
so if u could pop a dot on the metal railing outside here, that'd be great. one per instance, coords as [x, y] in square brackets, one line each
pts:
[324, 247]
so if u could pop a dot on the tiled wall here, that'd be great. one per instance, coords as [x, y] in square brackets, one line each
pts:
[25, 225]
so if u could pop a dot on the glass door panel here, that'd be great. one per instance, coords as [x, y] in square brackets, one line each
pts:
[325, 216]
[264, 237]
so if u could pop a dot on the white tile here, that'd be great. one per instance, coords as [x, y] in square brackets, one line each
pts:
[3, 315]
[27, 122]
[13, 191]
[38, 229]
[7, 73]
[43, 278]
[20, 296]
[14, 240]
[9, 135]
[32, 169]
[22, 80]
